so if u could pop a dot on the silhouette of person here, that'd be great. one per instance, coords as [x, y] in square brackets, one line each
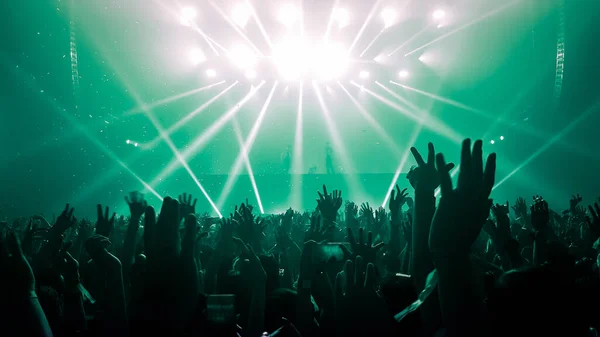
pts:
[329, 159]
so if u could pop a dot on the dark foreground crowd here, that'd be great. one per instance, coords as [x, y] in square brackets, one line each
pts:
[457, 265]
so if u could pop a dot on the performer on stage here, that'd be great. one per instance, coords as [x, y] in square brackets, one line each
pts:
[329, 159]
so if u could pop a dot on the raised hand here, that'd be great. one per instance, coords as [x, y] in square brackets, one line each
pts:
[499, 230]
[186, 206]
[288, 219]
[381, 221]
[425, 177]
[137, 204]
[282, 238]
[316, 232]
[462, 211]
[366, 213]
[397, 200]
[540, 216]
[594, 221]
[250, 227]
[104, 225]
[362, 247]
[359, 307]
[351, 214]
[575, 200]
[64, 221]
[329, 204]
[520, 207]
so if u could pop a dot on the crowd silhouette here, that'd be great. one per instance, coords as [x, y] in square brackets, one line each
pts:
[460, 264]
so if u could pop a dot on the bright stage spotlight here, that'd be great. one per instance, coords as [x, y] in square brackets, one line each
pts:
[241, 14]
[250, 74]
[211, 73]
[341, 16]
[187, 15]
[501, 137]
[364, 74]
[438, 14]
[330, 62]
[196, 56]
[389, 16]
[290, 58]
[242, 56]
[492, 142]
[288, 15]
[403, 73]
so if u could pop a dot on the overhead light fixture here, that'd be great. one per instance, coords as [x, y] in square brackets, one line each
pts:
[211, 73]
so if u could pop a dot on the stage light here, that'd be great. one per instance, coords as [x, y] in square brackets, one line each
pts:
[211, 73]
[364, 74]
[438, 14]
[330, 61]
[250, 74]
[187, 15]
[242, 56]
[501, 137]
[241, 14]
[288, 15]
[127, 141]
[291, 59]
[196, 56]
[403, 74]
[136, 144]
[389, 16]
[492, 142]
[340, 15]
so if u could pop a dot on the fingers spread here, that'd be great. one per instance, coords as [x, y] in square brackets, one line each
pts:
[417, 156]
[445, 180]
[489, 175]
[430, 154]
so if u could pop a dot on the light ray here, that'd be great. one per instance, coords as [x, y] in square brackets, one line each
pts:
[433, 124]
[211, 42]
[63, 112]
[403, 160]
[237, 29]
[337, 142]
[410, 39]
[297, 160]
[180, 123]
[260, 25]
[171, 98]
[372, 41]
[467, 25]
[551, 142]
[192, 24]
[445, 100]
[330, 22]
[181, 160]
[199, 143]
[245, 150]
[240, 140]
[401, 99]
[364, 26]
[373, 122]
